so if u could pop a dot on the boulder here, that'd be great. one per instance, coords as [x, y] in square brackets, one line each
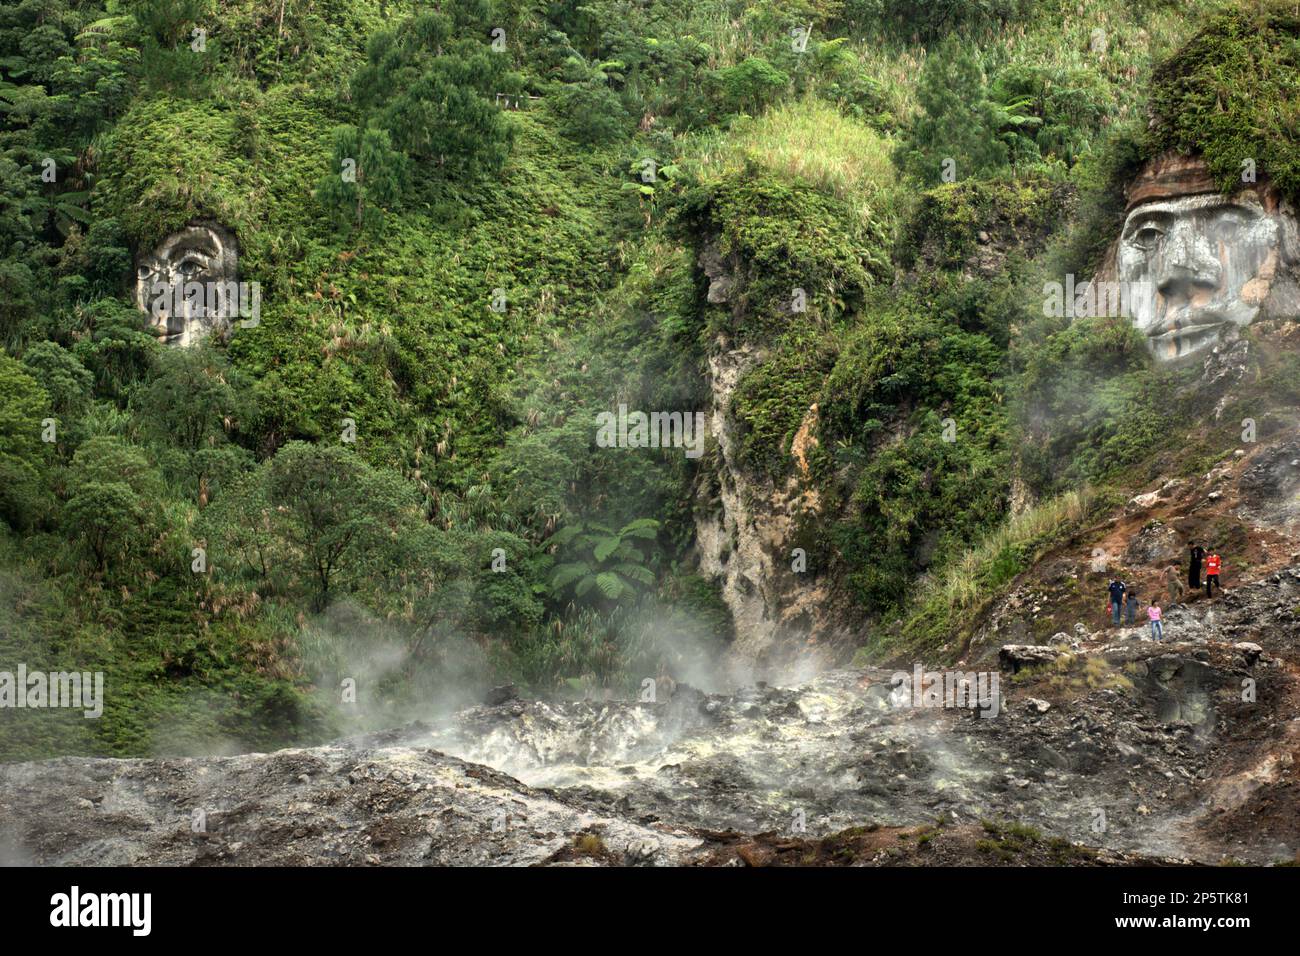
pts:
[500, 695]
[1249, 651]
[1141, 502]
[1155, 545]
[1015, 657]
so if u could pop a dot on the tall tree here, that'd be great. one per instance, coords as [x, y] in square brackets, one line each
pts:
[337, 512]
[432, 84]
[113, 499]
[957, 131]
[367, 176]
[23, 404]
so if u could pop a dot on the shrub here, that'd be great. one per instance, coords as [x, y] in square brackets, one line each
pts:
[1231, 94]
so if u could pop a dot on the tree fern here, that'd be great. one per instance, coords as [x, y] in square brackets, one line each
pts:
[611, 585]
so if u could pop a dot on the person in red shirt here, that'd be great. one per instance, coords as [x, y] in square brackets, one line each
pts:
[1212, 565]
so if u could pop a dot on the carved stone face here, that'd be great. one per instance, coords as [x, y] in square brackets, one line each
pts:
[1207, 262]
[204, 254]
[1199, 265]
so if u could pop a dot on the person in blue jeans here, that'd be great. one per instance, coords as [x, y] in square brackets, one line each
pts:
[1117, 590]
[1157, 625]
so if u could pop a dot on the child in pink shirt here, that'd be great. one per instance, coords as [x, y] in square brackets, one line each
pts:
[1157, 626]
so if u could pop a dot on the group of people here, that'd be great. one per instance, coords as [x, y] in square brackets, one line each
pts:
[1123, 601]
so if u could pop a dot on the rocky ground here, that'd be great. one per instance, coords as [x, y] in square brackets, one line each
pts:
[1107, 749]
[366, 801]
[1246, 505]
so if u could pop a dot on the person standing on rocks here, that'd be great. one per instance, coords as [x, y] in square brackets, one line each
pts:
[1174, 583]
[1130, 607]
[1157, 626]
[1194, 570]
[1212, 565]
[1117, 590]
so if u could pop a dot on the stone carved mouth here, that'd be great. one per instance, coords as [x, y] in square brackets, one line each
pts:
[1201, 324]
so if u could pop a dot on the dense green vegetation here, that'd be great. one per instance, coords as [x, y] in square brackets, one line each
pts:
[1230, 93]
[476, 227]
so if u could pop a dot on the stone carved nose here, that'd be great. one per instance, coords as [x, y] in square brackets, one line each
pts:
[1188, 264]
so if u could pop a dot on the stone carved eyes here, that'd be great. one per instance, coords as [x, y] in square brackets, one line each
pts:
[1148, 237]
[1220, 224]
[190, 266]
[1228, 226]
[183, 283]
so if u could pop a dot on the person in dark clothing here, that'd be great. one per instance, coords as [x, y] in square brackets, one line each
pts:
[1117, 589]
[1130, 607]
[1194, 570]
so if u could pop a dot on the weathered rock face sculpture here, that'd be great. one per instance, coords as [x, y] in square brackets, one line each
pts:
[187, 284]
[1197, 265]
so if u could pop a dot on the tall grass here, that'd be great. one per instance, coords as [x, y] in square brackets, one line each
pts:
[947, 603]
[960, 585]
[811, 140]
